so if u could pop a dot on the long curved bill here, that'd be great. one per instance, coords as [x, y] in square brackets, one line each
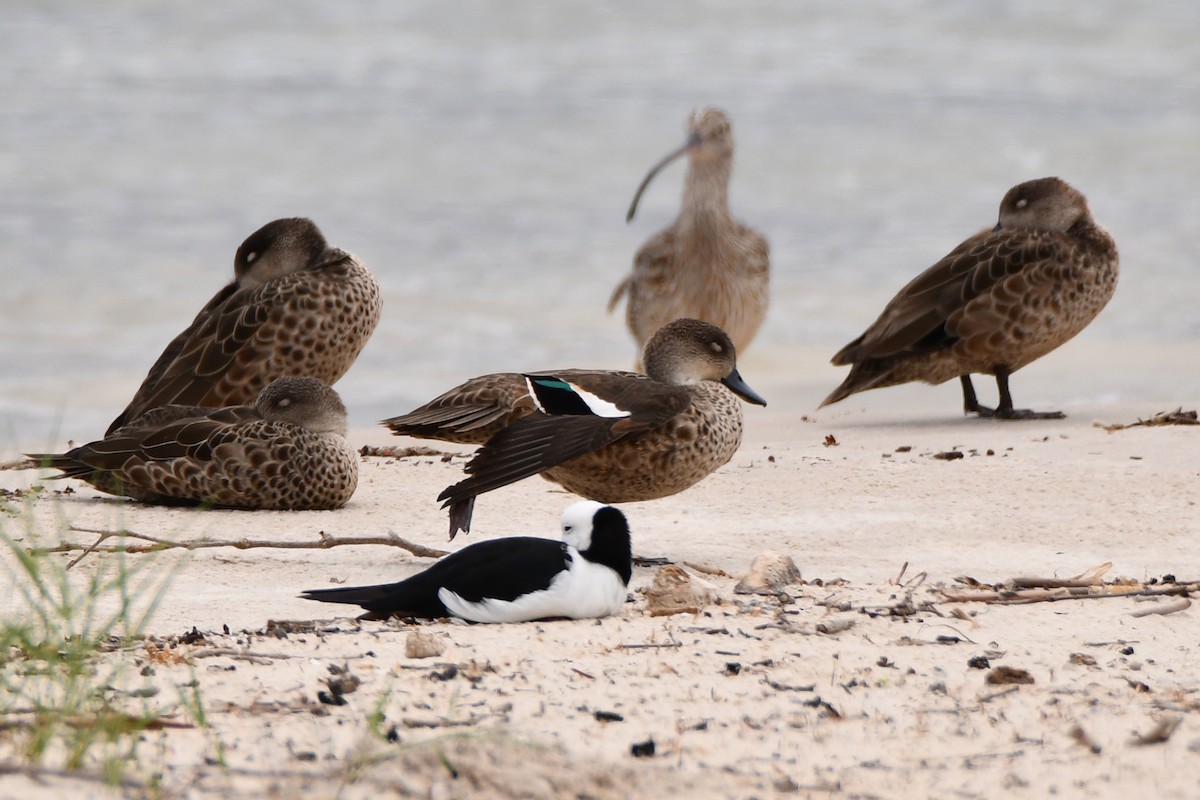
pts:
[742, 389]
[692, 142]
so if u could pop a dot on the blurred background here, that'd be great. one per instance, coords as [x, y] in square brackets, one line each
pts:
[480, 156]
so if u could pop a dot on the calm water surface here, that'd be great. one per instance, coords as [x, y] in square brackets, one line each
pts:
[480, 157]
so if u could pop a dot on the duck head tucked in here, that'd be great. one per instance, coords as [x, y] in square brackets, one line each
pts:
[1000, 300]
[514, 578]
[281, 247]
[287, 451]
[1047, 204]
[296, 306]
[304, 402]
[609, 436]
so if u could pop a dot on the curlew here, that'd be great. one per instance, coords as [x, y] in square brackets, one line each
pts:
[706, 265]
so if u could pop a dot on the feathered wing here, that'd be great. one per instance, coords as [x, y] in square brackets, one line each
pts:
[475, 411]
[166, 433]
[914, 320]
[149, 393]
[245, 338]
[651, 286]
[539, 441]
[471, 412]
[531, 446]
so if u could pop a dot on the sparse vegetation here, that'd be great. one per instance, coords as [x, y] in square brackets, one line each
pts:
[64, 707]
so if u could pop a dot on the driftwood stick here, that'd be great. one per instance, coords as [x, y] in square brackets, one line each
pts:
[370, 451]
[1024, 597]
[1176, 417]
[1181, 604]
[1093, 577]
[154, 544]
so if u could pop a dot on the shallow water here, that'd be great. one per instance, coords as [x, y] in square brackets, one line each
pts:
[480, 157]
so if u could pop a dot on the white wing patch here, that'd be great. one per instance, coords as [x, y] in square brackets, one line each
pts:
[598, 405]
[595, 404]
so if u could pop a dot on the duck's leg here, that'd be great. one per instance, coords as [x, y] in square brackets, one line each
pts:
[1005, 408]
[1006, 411]
[970, 402]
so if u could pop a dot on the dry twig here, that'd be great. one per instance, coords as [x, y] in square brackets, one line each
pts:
[1176, 417]
[1181, 604]
[154, 544]
[370, 451]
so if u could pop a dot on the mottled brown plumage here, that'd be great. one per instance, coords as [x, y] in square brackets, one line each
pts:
[614, 437]
[706, 265]
[287, 451]
[998, 301]
[296, 307]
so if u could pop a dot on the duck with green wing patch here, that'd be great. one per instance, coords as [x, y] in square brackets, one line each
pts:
[609, 436]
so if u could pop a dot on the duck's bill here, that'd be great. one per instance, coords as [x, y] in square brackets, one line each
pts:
[742, 389]
[693, 141]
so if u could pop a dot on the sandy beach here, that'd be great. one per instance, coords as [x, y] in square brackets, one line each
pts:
[870, 677]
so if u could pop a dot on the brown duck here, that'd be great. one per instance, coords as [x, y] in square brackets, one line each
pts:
[706, 265]
[296, 307]
[998, 301]
[287, 451]
[614, 437]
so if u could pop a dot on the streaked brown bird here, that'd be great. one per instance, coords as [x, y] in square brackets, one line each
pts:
[287, 451]
[296, 306]
[998, 301]
[614, 437]
[706, 265]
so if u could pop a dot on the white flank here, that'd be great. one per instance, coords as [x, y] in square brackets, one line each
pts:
[582, 591]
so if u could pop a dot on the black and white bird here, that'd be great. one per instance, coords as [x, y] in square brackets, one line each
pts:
[515, 579]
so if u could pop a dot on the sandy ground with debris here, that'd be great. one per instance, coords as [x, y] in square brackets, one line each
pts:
[869, 678]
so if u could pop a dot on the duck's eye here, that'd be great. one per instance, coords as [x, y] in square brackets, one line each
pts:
[1024, 201]
[250, 257]
[284, 402]
[716, 347]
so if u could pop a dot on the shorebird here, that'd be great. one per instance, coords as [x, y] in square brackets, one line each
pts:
[296, 306]
[616, 437]
[706, 265]
[287, 451]
[516, 579]
[997, 302]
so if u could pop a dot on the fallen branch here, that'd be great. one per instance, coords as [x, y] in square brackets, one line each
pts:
[154, 544]
[1176, 417]
[244, 655]
[650, 645]
[410, 722]
[1025, 597]
[1182, 604]
[1093, 577]
[369, 451]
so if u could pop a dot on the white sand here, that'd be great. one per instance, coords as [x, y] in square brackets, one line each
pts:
[891, 712]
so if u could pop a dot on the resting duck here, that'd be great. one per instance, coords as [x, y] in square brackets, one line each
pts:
[998, 301]
[296, 307]
[287, 451]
